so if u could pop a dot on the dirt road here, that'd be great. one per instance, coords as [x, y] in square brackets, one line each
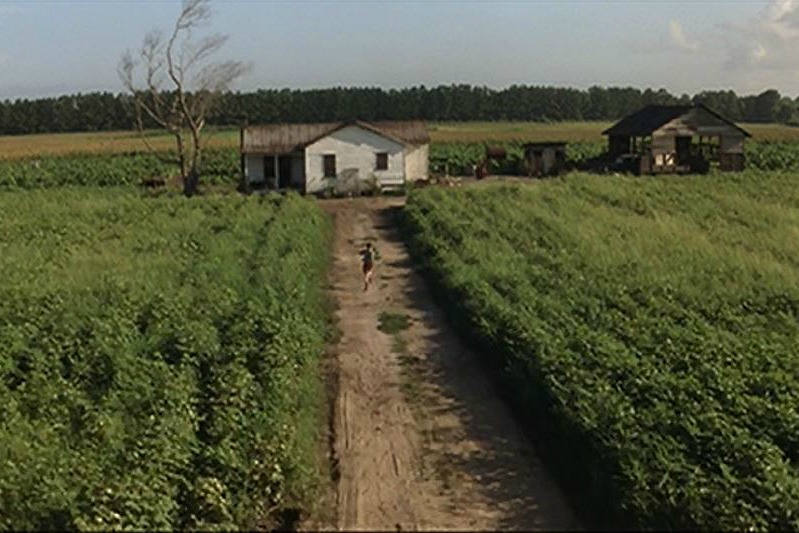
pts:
[421, 438]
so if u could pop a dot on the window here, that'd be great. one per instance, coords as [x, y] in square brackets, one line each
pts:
[329, 161]
[382, 161]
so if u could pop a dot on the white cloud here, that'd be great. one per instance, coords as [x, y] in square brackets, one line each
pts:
[3, 59]
[769, 41]
[668, 42]
[680, 39]
[758, 53]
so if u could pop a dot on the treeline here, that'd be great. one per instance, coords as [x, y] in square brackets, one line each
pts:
[108, 111]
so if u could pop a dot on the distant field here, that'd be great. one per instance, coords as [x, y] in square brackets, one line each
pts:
[507, 131]
[567, 131]
[109, 142]
[127, 141]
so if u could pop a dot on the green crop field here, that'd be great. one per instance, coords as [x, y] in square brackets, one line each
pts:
[222, 165]
[648, 327]
[159, 356]
[120, 158]
[108, 142]
[158, 359]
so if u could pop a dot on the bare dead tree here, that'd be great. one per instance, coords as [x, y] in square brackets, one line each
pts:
[179, 85]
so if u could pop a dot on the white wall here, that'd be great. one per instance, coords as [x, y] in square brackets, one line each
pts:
[355, 149]
[416, 163]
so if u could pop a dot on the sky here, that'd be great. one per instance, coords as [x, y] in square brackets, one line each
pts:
[52, 47]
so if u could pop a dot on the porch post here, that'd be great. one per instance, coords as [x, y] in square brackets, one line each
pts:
[277, 171]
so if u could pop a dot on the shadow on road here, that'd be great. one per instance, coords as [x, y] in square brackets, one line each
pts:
[505, 463]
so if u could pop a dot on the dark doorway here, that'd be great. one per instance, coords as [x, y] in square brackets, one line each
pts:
[683, 148]
[284, 171]
[536, 163]
[560, 162]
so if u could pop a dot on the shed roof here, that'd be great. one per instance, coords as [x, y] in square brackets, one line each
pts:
[653, 117]
[285, 138]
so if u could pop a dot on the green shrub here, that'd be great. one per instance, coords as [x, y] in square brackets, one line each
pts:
[221, 166]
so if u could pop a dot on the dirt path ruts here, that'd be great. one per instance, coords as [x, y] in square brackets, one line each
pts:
[421, 438]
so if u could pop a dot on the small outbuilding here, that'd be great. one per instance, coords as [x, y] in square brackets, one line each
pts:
[676, 139]
[342, 156]
[544, 158]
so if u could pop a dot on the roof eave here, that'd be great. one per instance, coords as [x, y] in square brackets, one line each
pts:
[337, 126]
[378, 131]
[722, 118]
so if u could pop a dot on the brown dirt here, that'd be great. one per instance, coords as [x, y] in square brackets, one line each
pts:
[421, 439]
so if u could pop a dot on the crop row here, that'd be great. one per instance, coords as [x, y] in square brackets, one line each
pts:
[648, 328]
[460, 158]
[773, 155]
[101, 170]
[158, 359]
[222, 165]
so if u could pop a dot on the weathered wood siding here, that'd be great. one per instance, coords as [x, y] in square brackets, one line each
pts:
[663, 144]
[697, 122]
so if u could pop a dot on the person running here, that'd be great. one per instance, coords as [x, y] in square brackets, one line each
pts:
[368, 256]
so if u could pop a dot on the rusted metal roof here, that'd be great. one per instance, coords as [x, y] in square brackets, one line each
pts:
[286, 138]
[653, 117]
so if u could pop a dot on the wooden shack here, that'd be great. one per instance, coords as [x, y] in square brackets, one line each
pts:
[544, 158]
[677, 139]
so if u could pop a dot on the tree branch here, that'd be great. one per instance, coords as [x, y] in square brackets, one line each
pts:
[196, 83]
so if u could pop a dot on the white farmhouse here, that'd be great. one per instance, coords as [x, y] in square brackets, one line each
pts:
[342, 156]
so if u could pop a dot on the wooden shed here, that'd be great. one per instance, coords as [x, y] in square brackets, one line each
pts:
[677, 139]
[545, 158]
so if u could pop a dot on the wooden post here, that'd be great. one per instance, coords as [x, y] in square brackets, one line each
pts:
[244, 180]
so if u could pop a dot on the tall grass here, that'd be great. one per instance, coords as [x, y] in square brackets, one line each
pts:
[651, 324]
[158, 359]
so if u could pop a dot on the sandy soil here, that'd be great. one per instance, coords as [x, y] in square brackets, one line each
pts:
[421, 439]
